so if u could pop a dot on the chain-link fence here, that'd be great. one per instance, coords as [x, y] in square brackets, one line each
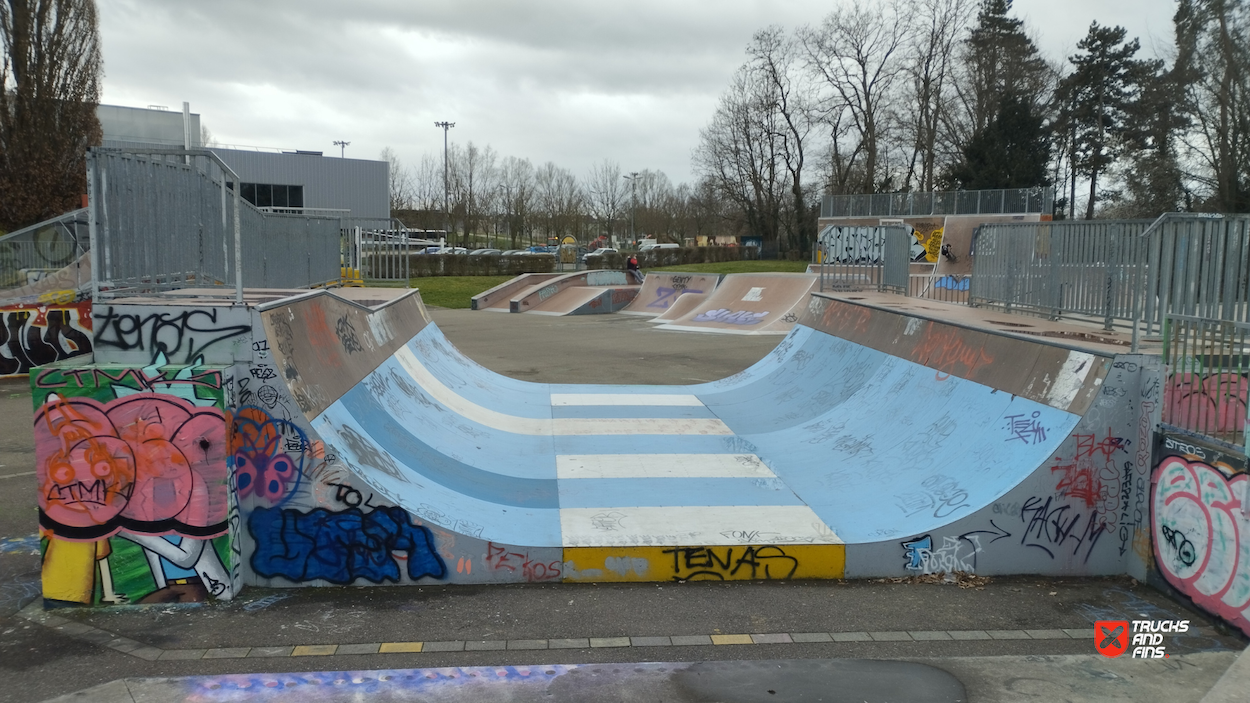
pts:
[955, 202]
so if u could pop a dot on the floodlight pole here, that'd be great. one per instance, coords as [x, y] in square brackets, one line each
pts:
[632, 177]
[446, 182]
[342, 145]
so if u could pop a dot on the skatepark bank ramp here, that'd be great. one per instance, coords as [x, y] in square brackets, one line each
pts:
[332, 440]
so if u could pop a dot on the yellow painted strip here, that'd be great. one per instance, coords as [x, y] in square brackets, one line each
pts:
[733, 563]
[314, 650]
[392, 647]
[732, 639]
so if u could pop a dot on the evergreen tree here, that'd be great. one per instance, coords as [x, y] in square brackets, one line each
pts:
[1097, 101]
[1011, 151]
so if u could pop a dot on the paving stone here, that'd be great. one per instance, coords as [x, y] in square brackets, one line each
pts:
[583, 643]
[527, 644]
[928, 635]
[125, 645]
[484, 645]
[1047, 634]
[688, 640]
[1079, 634]
[96, 636]
[772, 638]
[890, 636]
[73, 628]
[445, 646]
[609, 641]
[968, 635]
[147, 653]
[178, 654]
[226, 653]
[810, 637]
[371, 648]
[1007, 634]
[650, 641]
[314, 650]
[401, 647]
[850, 637]
[270, 652]
[731, 639]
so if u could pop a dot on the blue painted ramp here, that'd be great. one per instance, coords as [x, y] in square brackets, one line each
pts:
[823, 441]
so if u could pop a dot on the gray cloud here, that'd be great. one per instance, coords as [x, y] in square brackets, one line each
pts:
[551, 80]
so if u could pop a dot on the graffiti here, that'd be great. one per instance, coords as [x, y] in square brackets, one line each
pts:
[346, 332]
[725, 563]
[500, 558]
[955, 554]
[35, 335]
[269, 455]
[183, 336]
[1053, 528]
[854, 317]
[951, 282]
[857, 245]
[1095, 477]
[547, 292]
[341, 547]
[1027, 429]
[1213, 403]
[146, 463]
[723, 315]
[943, 348]
[790, 317]
[940, 494]
[182, 381]
[1200, 536]
[263, 373]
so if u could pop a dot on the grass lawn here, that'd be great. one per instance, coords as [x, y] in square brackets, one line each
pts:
[454, 291]
[763, 266]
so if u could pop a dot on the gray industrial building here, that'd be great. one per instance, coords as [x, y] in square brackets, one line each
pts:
[270, 178]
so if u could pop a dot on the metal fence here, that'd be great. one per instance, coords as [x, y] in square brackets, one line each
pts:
[380, 249]
[1123, 272]
[863, 258]
[1207, 365]
[35, 252]
[955, 202]
[167, 219]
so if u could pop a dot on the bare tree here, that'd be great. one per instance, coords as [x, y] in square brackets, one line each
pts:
[606, 194]
[49, 91]
[472, 180]
[939, 25]
[516, 191]
[400, 181]
[856, 52]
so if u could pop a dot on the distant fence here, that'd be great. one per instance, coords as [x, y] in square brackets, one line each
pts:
[1207, 364]
[955, 202]
[32, 253]
[168, 219]
[1128, 272]
[863, 258]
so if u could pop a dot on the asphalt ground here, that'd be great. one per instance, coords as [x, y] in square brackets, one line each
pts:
[1008, 639]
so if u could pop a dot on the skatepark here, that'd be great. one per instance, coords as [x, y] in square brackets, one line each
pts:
[237, 446]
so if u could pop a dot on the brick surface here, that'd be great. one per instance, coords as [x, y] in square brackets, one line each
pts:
[226, 653]
[358, 648]
[527, 644]
[689, 640]
[609, 641]
[810, 637]
[314, 650]
[772, 638]
[398, 647]
[650, 641]
[583, 643]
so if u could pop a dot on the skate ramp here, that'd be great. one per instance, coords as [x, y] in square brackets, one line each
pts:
[598, 300]
[498, 298]
[751, 303]
[660, 291]
[538, 297]
[680, 307]
[66, 285]
[862, 425]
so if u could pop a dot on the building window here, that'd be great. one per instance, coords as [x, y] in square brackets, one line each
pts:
[270, 195]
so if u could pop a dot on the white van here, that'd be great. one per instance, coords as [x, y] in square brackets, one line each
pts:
[649, 247]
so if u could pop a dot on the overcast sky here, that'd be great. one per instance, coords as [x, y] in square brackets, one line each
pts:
[549, 80]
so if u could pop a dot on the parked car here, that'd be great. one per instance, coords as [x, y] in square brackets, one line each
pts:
[650, 247]
[485, 252]
[514, 252]
[542, 250]
[589, 256]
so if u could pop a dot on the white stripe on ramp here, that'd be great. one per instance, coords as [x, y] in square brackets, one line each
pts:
[546, 426]
[579, 466]
[682, 526]
[568, 399]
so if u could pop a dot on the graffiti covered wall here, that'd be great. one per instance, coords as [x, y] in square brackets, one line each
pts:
[40, 333]
[133, 482]
[1202, 526]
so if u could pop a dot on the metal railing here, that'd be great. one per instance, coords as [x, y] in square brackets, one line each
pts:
[37, 251]
[1207, 365]
[379, 249]
[955, 202]
[862, 258]
[166, 219]
[1128, 272]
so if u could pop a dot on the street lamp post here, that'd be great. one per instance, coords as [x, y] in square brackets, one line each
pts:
[632, 177]
[446, 183]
